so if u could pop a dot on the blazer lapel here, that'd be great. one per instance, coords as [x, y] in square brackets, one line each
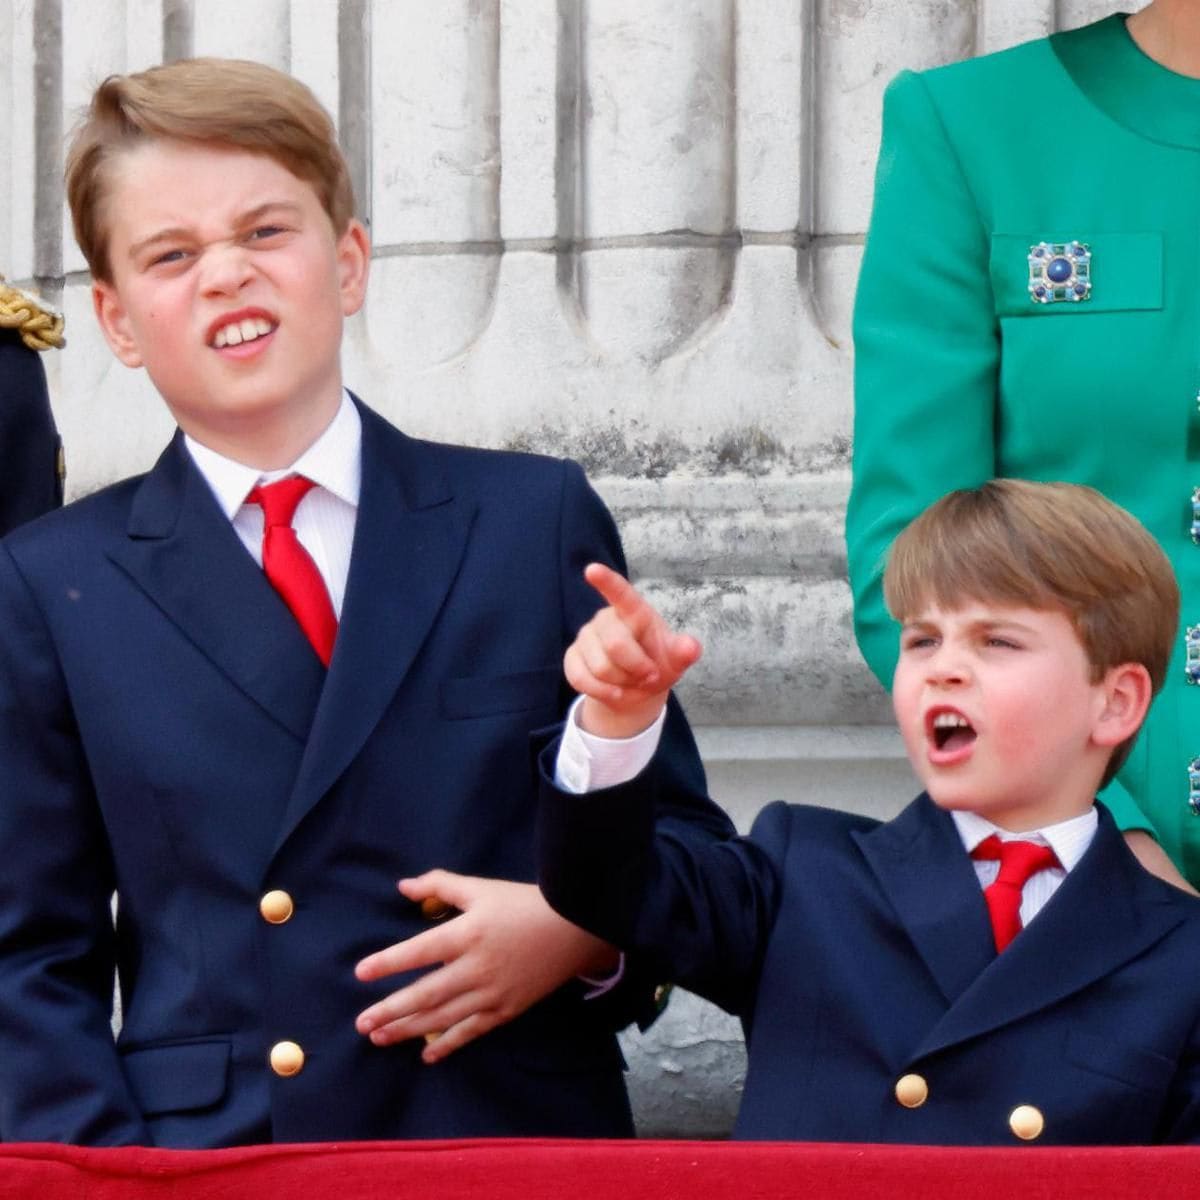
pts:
[183, 553]
[409, 540]
[919, 862]
[1106, 912]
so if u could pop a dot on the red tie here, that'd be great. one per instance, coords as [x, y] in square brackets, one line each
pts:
[288, 565]
[1018, 861]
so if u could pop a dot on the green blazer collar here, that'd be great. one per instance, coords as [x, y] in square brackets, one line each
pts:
[1132, 89]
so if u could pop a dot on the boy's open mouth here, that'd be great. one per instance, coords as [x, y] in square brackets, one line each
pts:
[950, 731]
[236, 332]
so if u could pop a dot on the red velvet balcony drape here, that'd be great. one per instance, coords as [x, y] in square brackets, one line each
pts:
[578, 1170]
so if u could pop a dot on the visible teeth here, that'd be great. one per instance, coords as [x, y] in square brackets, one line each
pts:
[238, 332]
[947, 720]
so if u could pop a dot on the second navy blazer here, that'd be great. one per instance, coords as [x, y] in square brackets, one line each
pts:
[860, 953]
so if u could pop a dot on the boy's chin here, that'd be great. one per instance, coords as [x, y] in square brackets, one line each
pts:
[953, 802]
[953, 799]
[1012, 814]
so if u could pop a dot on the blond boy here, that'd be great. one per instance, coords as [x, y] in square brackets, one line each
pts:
[993, 965]
[296, 661]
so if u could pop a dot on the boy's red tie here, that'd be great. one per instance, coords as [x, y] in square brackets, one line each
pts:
[1018, 861]
[288, 565]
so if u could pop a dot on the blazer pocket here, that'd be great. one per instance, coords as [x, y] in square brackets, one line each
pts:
[178, 1077]
[1139, 1068]
[488, 695]
[1126, 272]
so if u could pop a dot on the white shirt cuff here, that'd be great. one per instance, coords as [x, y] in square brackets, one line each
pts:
[587, 763]
[600, 987]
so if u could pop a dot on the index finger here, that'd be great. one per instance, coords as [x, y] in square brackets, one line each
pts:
[421, 950]
[615, 589]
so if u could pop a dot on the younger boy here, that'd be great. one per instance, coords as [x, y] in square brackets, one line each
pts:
[251, 689]
[888, 989]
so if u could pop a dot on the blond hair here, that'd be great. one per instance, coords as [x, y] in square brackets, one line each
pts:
[212, 101]
[1044, 546]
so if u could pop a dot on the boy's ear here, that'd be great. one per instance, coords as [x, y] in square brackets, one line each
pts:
[1124, 697]
[114, 323]
[354, 262]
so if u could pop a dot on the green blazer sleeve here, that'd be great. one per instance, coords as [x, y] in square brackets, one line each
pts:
[926, 352]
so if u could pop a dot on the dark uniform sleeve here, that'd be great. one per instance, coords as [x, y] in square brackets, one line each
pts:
[30, 480]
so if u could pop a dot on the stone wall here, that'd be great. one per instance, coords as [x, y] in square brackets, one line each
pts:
[622, 230]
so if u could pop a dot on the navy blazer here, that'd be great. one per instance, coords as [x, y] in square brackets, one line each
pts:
[167, 733]
[859, 952]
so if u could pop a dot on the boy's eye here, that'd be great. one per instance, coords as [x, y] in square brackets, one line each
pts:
[168, 256]
[263, 232]
[918, 641]
[1002, 643]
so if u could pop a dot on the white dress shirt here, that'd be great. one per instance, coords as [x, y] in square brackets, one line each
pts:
[324, 520]
[587, 763]
[1068, 839]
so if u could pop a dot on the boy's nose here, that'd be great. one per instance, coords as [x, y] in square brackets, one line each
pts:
[225, 269]
[947, 668]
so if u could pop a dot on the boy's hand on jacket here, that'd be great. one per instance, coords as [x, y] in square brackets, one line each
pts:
[625, 659]
[505, 950]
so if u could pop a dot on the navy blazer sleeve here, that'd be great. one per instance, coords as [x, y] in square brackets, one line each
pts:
[62, 1077]
[681, 805]
[698, 905]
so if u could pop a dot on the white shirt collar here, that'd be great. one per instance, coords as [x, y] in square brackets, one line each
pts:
[333, 461]
[1068, 839]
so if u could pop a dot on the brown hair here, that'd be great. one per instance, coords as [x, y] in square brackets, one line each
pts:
[225, 102]
[1044, 546]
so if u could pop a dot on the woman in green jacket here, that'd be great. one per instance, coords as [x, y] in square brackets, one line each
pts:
[1029, 305]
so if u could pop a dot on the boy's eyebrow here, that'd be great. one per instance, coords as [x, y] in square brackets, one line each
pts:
[980, 623]
[163, 235]
[261, 210]
[243, 219]
[985, 623]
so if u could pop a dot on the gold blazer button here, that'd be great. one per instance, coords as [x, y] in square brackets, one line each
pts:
[287, 1059]
[912, 1091]
[276, 907]
[1026, 1122]
[434, 908]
